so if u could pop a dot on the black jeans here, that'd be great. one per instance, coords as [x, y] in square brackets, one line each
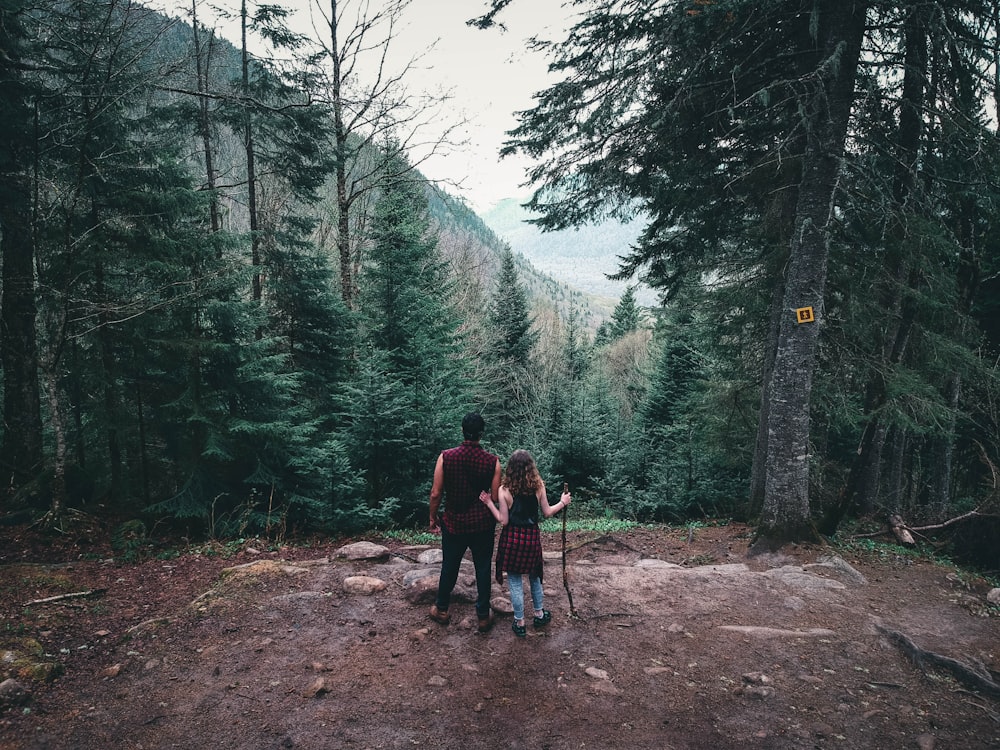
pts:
[453, 547]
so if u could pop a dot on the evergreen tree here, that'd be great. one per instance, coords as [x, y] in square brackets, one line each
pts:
[625, 317]
[412, 390]
[509, 355]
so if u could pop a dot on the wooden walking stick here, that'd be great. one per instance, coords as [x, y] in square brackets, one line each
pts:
[569, 594]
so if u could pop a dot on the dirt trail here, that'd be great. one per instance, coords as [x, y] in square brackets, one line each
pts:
[723, 651]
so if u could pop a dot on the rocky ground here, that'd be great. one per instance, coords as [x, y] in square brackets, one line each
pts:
[676, 639]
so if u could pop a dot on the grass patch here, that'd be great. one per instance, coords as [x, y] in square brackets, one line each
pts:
[603, 525]
[412, 537]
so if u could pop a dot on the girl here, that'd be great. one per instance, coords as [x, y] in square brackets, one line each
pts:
[522, 494]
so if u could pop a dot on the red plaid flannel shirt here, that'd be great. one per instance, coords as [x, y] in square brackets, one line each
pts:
[468, 470]
[519, 551]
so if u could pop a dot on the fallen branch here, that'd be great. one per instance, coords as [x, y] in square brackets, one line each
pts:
[898, 527]
[969, 675]
[956, 519]
[63, 597]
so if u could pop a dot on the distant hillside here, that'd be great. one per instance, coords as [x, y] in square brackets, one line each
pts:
[580, 257]
[470, 236]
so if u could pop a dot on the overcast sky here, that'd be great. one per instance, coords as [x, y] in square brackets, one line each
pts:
[490, 74]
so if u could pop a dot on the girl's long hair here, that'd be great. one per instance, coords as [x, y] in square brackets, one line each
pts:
[521, 476]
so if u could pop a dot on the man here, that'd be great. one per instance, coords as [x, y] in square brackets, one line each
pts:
[460, 476]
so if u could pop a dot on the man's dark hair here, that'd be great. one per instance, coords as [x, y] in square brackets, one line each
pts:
[473, 426]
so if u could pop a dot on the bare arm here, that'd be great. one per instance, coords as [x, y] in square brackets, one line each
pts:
[495, 484]
[550, 510]
[437, 490]
[495, 498]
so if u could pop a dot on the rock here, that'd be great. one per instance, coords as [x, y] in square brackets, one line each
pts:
[431, 556]
[363, 551]
[364, 585]
[755, 685]
[44, 671]
[316, 688]
[597, 674]
[797, 578]
[112, 671]
[12, 693]
[422, 590]
[840, 566]
[437, 681]
[649, 562]
[794, 603]
[926, 741]
[261, 567]
[502, 605]
[412, 576]
[993, 597]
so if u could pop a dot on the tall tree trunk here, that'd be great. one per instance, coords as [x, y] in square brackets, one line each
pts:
[143, 451]
[871, 478]
[251, 156]
[758, 471]
[341, 145]
[827, 103]
[21, 447]
[894, 489]
[203, 61]
[21, 450]
[944, 449]
[58, 490]
[110, 397]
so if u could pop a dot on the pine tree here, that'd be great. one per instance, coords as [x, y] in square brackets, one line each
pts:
[625, 317]
[412, 390]
[509, 356]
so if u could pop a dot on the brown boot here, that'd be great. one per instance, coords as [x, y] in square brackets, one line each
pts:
[486, 623]
[440, 616]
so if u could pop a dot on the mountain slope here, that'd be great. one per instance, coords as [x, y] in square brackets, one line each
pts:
[468, 239]
[582, 257]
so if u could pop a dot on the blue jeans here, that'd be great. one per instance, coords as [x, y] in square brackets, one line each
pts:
[516, 585]
[453, 547]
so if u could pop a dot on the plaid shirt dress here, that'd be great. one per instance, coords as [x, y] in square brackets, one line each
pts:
[519, 550]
